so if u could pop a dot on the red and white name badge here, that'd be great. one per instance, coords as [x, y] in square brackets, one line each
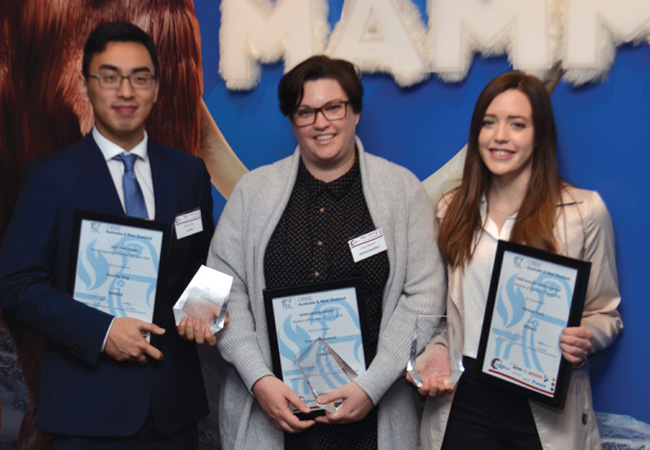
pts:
[369, 244]
[188, 224]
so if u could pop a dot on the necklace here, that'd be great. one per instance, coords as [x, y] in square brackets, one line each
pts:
[514, 201]
[509, 213]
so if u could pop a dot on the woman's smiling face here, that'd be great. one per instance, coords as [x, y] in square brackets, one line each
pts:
[327, 147]
[507, 138]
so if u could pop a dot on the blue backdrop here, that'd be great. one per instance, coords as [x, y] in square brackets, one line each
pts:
[604, 140]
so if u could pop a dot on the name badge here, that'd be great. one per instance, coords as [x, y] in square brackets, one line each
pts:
[188, 224]
[367, 245]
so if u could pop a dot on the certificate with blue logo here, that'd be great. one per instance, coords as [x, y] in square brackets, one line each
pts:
[298, 316]
[533, 296]
[118, 262]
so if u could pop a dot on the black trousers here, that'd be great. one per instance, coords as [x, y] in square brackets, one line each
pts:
[488, 418]
[149, 437]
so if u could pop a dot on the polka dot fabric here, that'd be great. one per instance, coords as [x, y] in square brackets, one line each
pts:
[310, 245]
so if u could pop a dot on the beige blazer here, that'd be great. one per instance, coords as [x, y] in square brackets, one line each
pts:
[583, 231]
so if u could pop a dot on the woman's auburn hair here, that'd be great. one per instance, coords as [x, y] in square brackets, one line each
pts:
[535, 221]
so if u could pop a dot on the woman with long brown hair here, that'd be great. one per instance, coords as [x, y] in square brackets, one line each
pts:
[511, 190]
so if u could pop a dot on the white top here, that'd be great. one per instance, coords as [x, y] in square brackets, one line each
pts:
[141, 168]
[477, 276]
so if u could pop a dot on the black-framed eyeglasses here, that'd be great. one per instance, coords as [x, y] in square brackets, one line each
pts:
[138, 80]
[335, 110]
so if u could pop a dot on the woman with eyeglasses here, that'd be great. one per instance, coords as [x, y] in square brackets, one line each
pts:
[290, 224]
[511, 190]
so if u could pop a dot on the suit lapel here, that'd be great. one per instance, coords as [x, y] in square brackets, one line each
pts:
[95, 179]
[165, 183]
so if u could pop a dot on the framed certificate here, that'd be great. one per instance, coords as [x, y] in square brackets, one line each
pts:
[533, 296]
[118, 262]
[298, 316]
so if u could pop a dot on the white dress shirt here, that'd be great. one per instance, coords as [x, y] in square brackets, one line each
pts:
[477, 276]
[142, 168]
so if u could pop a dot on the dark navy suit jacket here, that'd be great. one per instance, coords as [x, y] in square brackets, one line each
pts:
[83, 391]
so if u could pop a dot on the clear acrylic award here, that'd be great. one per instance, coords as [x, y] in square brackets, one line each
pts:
[435, 351]
[324, 370]
[205, 299]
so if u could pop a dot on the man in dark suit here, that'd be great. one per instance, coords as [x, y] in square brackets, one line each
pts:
[103, 385]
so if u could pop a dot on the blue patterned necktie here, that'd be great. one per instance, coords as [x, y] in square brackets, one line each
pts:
[133, 198]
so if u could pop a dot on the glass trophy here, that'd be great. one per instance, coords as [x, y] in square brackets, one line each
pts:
[205, 299]
[324, 370]
[435, 351]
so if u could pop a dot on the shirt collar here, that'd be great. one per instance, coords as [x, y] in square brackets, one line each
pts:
[110, 149]
[337, 188]
[490, 227]
[483, 209]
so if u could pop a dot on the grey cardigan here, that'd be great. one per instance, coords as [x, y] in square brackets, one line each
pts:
[416, 285]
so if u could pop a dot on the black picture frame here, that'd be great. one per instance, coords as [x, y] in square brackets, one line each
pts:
[108, 220]
[548, 388]
[273, 299]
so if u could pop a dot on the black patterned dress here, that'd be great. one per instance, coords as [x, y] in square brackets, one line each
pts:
[310, 245]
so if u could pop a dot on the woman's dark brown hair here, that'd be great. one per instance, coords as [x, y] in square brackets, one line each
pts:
[290, 89]
[536, 218]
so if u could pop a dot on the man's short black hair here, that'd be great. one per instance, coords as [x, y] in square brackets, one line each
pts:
[116, 32]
